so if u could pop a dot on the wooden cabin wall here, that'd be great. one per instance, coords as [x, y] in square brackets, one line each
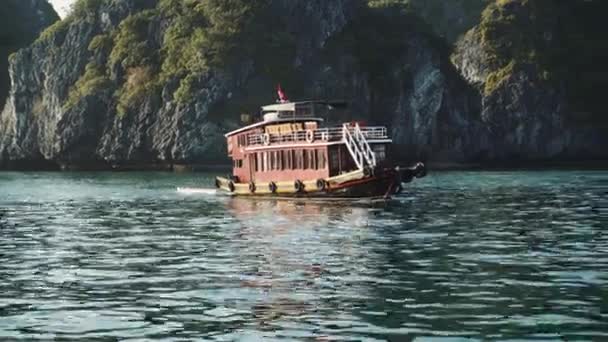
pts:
[278, 165]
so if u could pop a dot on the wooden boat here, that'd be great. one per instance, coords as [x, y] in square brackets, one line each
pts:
[290, 154]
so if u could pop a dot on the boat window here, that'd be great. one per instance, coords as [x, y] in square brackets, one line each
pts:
[265, 162]
[284, 160]
[380, 151]
[273, 160]
[277, 160]
[335, 158]
[321, 159]
[300, 159]
[258, 165]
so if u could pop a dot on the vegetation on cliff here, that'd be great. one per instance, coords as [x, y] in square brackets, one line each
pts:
[197, 37]
[159, 81]
[562, 40]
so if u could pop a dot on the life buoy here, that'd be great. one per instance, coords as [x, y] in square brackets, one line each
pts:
[321, 184]
[367, 171]
[231, 186]
[310, 136]
[272, 186]
[265, 139]
[252, 187]
[299, 186]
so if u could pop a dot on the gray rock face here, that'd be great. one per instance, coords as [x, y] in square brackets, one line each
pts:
[20, 23]
[432, 112]
[36, 128]
[471, 59]
[526, 118]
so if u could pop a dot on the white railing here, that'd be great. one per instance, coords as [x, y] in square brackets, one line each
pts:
[352, 146]
[360, 138]
[358, 147]
[322, 134]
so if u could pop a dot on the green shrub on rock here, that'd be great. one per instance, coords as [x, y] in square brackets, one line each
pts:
[92, 81]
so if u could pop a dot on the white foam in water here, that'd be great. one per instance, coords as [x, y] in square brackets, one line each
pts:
[197, 191]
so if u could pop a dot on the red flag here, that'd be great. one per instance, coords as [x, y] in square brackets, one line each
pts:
[282, 97]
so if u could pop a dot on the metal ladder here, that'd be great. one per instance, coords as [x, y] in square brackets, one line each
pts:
[359, 148]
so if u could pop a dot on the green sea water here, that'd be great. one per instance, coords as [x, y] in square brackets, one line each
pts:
[459, 256]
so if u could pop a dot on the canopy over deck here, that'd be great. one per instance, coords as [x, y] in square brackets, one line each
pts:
[292, 111]
[304, 106]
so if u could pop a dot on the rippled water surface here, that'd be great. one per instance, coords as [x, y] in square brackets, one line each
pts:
[460, 256]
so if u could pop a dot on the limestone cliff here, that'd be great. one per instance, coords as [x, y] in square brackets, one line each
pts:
[20, 23]
[530, 81]
[155, 83]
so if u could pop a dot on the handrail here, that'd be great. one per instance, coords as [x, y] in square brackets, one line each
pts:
[321, 134]
[368, 153]
[352, 146]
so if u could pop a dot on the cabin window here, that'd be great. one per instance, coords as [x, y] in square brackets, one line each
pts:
[292, 160]
[321, 159]
[284, 160]
[335, 159]
[265, 163]
[238, 163]
[258, 162]
[242, 140]
[272, 160]
[277, 160]
[380, 151]
[299, 160]
[308, 164]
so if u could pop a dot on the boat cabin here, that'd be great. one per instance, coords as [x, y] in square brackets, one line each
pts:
[290, 143]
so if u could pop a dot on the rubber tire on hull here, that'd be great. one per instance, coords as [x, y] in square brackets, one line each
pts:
[272, 186]
[299, 186]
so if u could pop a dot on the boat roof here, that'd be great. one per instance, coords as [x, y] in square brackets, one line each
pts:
[299, 110]
[294, 106]
[264, 123]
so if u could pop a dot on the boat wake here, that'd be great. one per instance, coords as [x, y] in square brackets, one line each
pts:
[197, 191]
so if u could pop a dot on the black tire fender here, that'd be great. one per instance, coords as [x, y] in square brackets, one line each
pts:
[231, 186]
[252, 187]
[299, 186]
[272, 186]
[321, 184]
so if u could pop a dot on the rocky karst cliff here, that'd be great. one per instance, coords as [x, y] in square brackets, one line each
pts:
[21, 21]
[539, 67]
[154, 83]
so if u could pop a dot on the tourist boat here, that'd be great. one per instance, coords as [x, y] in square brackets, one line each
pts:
[290, 154]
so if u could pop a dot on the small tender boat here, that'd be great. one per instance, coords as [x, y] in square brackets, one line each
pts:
[290, 154]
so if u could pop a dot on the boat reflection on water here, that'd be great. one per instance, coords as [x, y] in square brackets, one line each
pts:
[305, 252]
